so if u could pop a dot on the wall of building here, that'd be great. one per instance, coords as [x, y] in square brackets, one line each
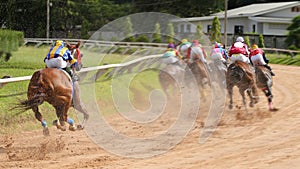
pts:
[285, 13]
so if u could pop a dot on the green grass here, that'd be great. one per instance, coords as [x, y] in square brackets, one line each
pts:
[28, 59]
[284, 59]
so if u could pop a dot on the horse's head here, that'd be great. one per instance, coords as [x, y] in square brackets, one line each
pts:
[76, 53]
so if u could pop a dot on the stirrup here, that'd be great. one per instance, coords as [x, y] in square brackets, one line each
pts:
[75, 78]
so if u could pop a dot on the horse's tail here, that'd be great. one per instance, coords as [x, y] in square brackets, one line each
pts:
[36, 95]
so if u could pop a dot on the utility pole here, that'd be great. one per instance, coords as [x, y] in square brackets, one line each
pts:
[225, 23]
[48, 18]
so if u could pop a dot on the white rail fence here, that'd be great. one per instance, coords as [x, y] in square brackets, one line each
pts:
[97, 43]
[109, 70]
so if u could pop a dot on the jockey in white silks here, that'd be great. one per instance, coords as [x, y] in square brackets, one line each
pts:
[193, 51]
[239, 51]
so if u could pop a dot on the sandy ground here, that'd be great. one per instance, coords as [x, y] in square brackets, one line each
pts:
[257, 139]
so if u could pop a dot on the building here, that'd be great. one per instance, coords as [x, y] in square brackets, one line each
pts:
[268, 19]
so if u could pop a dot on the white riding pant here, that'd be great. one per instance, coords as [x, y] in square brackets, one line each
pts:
[217, 56]
[240, 57]
[56, 63]
[170, 60]
[258, 60]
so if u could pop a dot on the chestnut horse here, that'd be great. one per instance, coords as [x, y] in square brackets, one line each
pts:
[240, 74]
[264, 81]
[55, 87]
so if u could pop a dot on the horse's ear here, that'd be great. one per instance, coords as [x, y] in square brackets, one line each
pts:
[78, 44]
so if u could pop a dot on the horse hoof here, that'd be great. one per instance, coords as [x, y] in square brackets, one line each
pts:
[72, 128]
[55, 122]
[79, 127]
[230, 106]
[46, 131]
[251, 104]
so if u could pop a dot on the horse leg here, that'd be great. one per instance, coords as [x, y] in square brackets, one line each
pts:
[39, 117]
[242, 92]
[249, 92]
[269, 95]
[78, 105]
[230, 93]
[60, 123]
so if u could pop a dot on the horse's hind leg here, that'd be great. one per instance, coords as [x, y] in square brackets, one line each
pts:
[269, 95]
[230, 93]
[39, 117]
[249, 92]
[242, 92]
[61, 115]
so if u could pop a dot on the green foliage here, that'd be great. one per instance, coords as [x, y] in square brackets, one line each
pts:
[157, 35]
[142, 38]
[84, 29]
[9, 41]
[261, 42]
[199, 34]
[293, 37]
[247, 41]
[170, 33]
[215, 32]
[128, 30]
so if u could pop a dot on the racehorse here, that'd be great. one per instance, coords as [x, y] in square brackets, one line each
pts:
[76, 53]
[55, 87]
[200, 73]
[240, 74]
[218, 74]
[264, 81]
[170, 80]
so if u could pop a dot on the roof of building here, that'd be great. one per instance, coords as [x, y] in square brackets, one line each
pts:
[249, 10]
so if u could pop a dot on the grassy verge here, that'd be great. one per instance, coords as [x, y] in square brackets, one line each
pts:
[28, 59]
[283, 59]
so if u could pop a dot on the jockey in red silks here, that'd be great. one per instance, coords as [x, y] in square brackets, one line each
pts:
[193, 51]
[239, 51]
[257, 57]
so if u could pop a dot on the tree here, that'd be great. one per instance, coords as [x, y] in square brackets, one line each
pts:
[170, 32]
[247, 41]
[261, 42]
[215, 32]
[293, 38]
[157, 34]
[128, 30]
[199, 34]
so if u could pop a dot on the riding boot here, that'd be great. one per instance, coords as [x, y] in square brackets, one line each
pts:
[271, 72]
[71, 73]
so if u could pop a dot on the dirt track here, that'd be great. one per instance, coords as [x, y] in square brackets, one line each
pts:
[260, 139]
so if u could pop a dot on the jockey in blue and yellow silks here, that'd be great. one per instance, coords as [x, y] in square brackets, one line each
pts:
[60, 56]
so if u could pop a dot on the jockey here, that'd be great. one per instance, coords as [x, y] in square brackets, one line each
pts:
[60, 56]
[239, 51]
[218, 53]
[258, 57]
[172, 57]
[185, 48]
